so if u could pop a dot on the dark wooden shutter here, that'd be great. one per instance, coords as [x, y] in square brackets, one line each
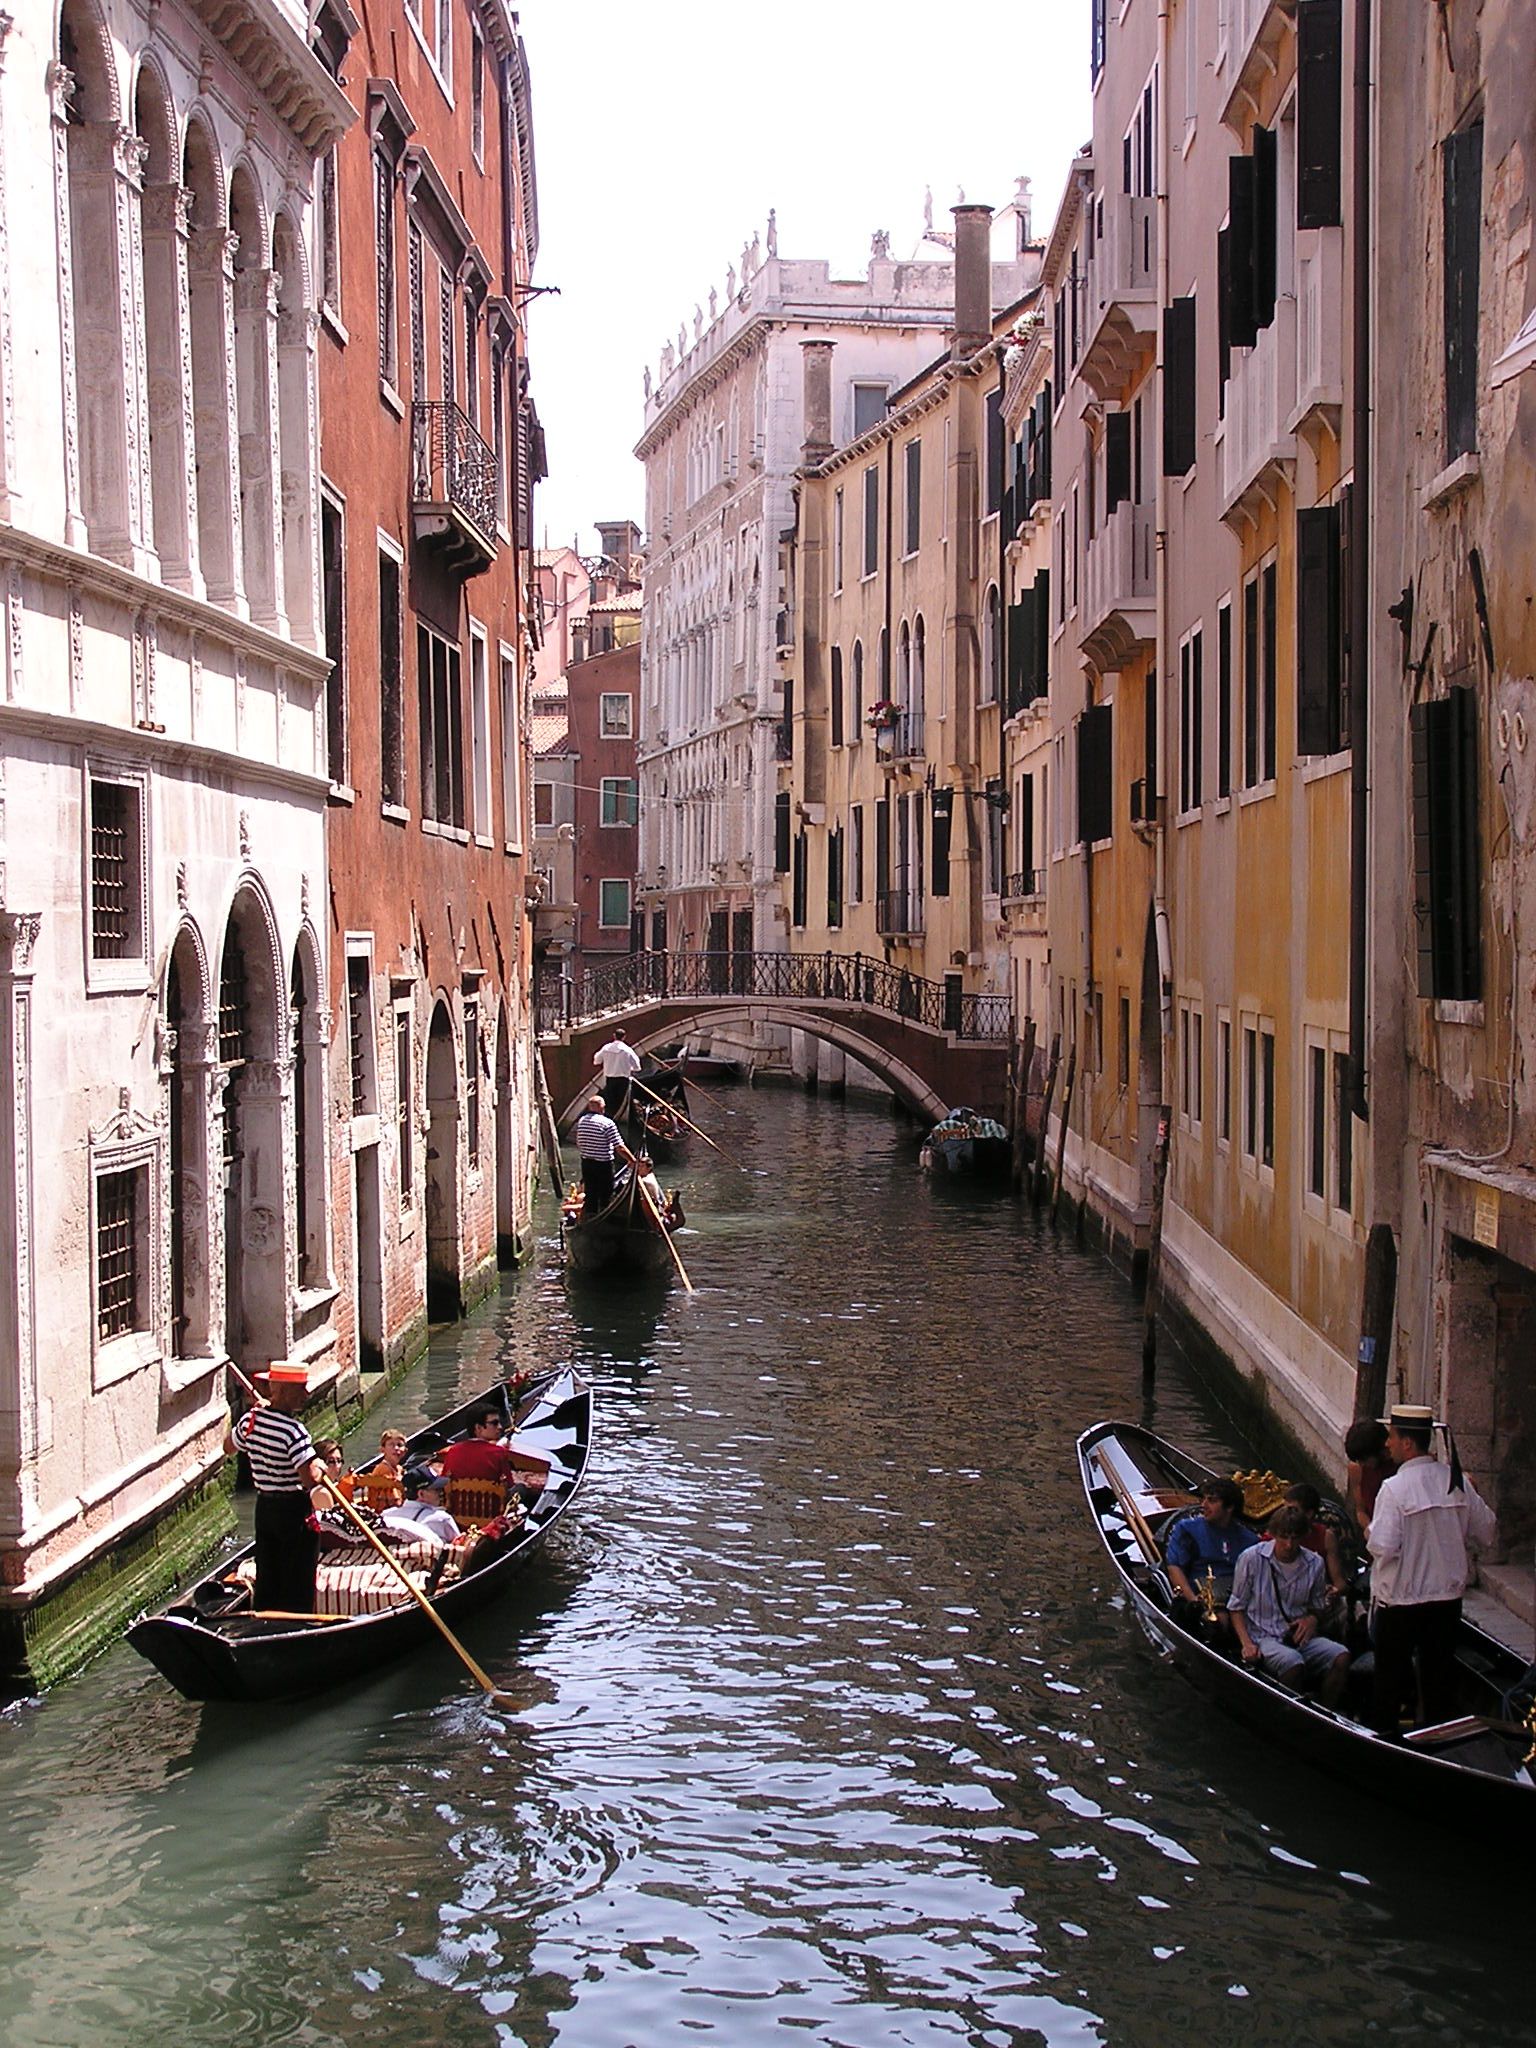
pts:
[1319, 113]
[1251, 682]
[1095, 769]
[1463, 209]
[1242, 319]
[996, 449]
[1317, 630]
[1117, 460]
[1445, 842]
[1224, 701]
[781, 833]
[1024, 827]
[883, 847]
[836, 705]
[1179, 388]
[1223, 318]
[1270, 578]
[1042, 632]
[1023, 650]
[943, 821]
[1266, 204]
[797, 885]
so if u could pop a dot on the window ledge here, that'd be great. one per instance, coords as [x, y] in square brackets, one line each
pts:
[1457, 476]
[397, 814]
[1190, 817]
[484, 839]
[178, 1374]
[118, 978]
[341, 793]
[1317, 767]
[1257, 793]
[331, 319]
[1222, 805]
[120, 1357]
[365, 1131]
[306, 1300]
[513, 848]
[391, 398]
[1460, 1013]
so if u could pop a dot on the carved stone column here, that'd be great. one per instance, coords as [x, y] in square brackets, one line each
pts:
[193, 1083]
[256, 369]
[168, 372]
[9, 491]
[19, 1393]
[264, 1256]
[216, 427]
[61, 84]
[299, 519]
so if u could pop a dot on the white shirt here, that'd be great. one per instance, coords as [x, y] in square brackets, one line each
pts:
[616, 1059]
[1420, 1532]
[419, 1515]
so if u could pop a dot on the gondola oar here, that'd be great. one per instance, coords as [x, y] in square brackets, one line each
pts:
[679, 1067]
[487, 1685]
[709, 1141]
[660, 1222]
[1132, 1516]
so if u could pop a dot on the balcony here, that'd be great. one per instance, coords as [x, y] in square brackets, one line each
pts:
[1120, 577]
[1122, 294]
[1256, 30]
[1024, 886]
[899, 914]
[1319, 331]
[454, 487]
[1257, 445]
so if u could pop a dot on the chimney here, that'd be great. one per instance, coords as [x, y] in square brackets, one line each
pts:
[973, 279]
[816, 400]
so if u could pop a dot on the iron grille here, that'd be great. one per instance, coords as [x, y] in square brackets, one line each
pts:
[403, 1104]
[357, 999]
[472, 1079]
[452, 464]
[117, 1254]
[113, 870]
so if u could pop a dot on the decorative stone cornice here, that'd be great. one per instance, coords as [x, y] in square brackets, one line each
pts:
[737, 349]
[274, 57]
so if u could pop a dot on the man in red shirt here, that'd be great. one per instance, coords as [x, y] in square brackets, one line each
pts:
[481, 1455]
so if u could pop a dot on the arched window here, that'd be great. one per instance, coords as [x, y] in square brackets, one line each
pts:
[253, 384]
[992, 647]
[856, 695]
[210, 312]
[904, 666]
[295, 455]
[308, 1128]
[162, 210]
[192, 1184]
[251, 1036]
[919, 665]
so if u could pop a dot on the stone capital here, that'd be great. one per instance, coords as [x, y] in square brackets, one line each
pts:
[18, 937]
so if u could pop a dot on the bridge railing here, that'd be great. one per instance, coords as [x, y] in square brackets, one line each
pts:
[641, 978]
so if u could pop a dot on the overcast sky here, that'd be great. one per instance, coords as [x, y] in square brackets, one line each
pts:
[665, 131]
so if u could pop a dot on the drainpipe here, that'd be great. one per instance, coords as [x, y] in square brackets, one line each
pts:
[1160, 597]
[1359, 570]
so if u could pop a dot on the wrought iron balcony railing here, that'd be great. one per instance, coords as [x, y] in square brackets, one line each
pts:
[454, 481]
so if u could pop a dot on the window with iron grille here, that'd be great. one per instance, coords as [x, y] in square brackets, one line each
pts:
[416, 259]
[445, 333]
[116, 882]
[120, 1201]
[384, 264]
[357, 1030]
[472, 1080]
[403, 1127]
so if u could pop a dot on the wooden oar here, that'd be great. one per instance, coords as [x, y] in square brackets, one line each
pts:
[1134, 1519]
[678, 1067]
[726, 1156]
[487, 1685]
[661, 1224]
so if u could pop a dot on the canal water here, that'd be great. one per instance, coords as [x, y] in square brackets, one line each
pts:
[830, 1727]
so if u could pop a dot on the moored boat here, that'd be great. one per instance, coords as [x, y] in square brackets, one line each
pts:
[210, 1645]
[1474, 1769]
[965, 1143]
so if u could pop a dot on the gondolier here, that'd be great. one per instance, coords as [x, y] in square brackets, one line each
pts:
[284, 1468]
[599, 1143]
[1427, 1519]
[619, 1063]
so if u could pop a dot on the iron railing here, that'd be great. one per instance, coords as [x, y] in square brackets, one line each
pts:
[906, 731]
[452, 465]
[898, 913]
[1026, 883]
[854, 978]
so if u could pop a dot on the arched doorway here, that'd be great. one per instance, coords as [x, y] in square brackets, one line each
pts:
[191, 1065]
[251, 1041]
[444, 1293]
[506, 1169]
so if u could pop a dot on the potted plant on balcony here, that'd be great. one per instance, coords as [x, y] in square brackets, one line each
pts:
[882, 715]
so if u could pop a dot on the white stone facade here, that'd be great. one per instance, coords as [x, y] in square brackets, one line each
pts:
[162, 751]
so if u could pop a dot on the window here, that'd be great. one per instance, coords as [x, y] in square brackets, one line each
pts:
[1267, 1095]
[913, 502]
[511, 753]
[440, 703]
[1123, 1053]
[1250, 1118]
[1462, 212]
[613, 905]
[798, 890]
[868, 407]
[835, 696]
[615, 715]
[1223, 1079]
[855, 891]
[404, 1131]
[1344, 1136]
[1269, 630]
[543, 803]
[1317, 1120]
[991, 646]
[333, 586]
[1319, 630]
[1319, 106]
[871, 520]
[447, 353]
[1224, 699]
[477, 97]
[997, 451]
[1095, 760]
[856, 695]
[620, 801]
[391, 690]
[417, 286]
[360, 1035]
[122, 1262]
[328, 235]
[835, 879]
[472, 362]
[117, 870]
[781, 832]
[1446, 862]
[1179, 395]
[837, 539]
[384, 264]
[1259, 656]
[1191, 720]
[480, 732]
[472, 1079]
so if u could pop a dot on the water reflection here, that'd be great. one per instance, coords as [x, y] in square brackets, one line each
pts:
[830, 1717]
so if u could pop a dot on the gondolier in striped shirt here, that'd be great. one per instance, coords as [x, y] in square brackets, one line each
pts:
[285, 1469]
[599, 1143]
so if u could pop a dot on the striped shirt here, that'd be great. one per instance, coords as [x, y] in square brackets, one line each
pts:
[596, 1136]
[278, 1447]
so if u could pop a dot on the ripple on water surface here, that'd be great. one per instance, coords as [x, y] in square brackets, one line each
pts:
[830, 1724]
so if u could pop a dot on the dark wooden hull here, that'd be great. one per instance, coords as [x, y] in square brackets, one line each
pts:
[967, 1158]
[1494, 1794]
[617, 1247]
[207, 1657]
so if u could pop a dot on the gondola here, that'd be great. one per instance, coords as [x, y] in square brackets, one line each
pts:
[967, 1145]
[621, 1238]
[209, 1650]
[1474, 1769]
[656, 1130]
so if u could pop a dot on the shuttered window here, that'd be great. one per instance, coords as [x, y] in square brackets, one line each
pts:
[1223, 317]
[835, 696]
[835, 878]
[1269, 681]
[1191, 722]
[1224, 701]
[1447, 877]
[1095, 768]
[1319, 112]
[997, 449]
[943, 822]
[797, 888]
[781, 833]
[1319, 631]
[1117, 460]
[871, 520]
[1266, 224]
[882, 848]
[1251, 683]
[914, 496]
[1242, 326]
[1179, 388]
[1463, 211]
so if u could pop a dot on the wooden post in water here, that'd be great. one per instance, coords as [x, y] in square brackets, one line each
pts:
[1037, 1179]
[1061, 1142]
[547, 1124]
[1377, 1303]
[1022, 1072]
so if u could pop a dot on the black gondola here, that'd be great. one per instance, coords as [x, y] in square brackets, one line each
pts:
[621, 1238]
[1473, 1770]
[656, 1130]
[209, 1650]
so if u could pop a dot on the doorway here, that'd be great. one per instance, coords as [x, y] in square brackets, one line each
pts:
[444, 1291]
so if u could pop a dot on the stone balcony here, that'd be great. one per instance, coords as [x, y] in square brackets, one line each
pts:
[1319, 331]
[454, 487]
[1256, 446]
[1120, 588]
[1121, 294]
[1256, 29]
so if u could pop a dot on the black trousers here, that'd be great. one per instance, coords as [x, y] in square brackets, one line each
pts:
[287, 1550]
[616, 1095]
[1427, 1632]
[597, 1180]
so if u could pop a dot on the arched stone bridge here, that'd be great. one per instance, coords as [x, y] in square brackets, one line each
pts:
[930, 1042]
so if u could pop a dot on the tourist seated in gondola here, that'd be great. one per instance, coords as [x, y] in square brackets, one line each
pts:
[1278, 1599]
[1203, 1549]
[1321, 1538]
[483, 1456]
[423, 1513]
[667, 1205]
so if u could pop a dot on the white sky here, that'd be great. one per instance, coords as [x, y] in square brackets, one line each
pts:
[665, 131]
